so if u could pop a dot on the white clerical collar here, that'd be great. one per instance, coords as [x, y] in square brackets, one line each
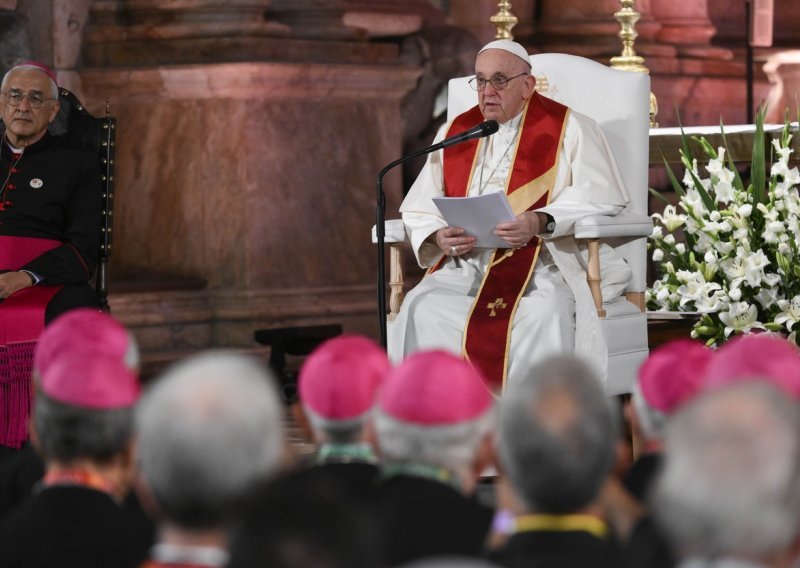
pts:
[169, 553]
[12, 147]
[512, 125]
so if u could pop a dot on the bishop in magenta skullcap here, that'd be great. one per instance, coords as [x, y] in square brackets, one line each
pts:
[434, 388]
[673, 373]
[86, 331]
[338, 381]
[40, 66]
[99, 382]
[757, 356]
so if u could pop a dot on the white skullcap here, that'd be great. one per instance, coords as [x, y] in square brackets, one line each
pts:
[509, 46]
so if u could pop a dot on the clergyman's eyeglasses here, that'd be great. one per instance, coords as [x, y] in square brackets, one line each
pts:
[498, 82]
[35, 100]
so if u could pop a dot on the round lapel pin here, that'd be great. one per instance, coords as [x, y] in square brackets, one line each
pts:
[36, 183]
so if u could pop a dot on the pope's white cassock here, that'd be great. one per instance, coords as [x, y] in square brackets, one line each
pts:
[556, 313]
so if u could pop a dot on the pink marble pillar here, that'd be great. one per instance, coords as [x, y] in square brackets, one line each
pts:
[56, 29]
[687, 26]
[474, 16]
[588, 27]
[258, 178]
[729, 18]
[142, 32]
[783, 71]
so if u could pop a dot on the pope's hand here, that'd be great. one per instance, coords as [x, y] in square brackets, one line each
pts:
[521, 230]
[453, 241]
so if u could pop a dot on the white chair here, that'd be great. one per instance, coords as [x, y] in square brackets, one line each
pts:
[619, 101]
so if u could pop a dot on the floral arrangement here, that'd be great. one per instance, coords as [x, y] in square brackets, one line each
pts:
[738, 263]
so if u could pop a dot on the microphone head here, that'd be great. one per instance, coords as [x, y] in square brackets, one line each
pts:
[489, 127]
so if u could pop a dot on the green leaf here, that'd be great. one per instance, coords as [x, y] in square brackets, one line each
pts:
[704, 196]
[676, 185]
[758, 167]
[687, 149]
[706, 146]
[772, 326]
[656, 193]
[737, 179]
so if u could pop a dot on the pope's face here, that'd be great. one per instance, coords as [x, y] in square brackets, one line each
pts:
[25, 124]
[503, 105]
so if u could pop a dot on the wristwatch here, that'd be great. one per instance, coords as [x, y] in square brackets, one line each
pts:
[550, 226]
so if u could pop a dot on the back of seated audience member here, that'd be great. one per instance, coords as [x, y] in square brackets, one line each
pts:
[433, 423]
[303, 520]
[557, 445]
[209, 428]
[83, 331]
[83, 428]
[672, 375]
[729, 492]
[769, 357]
[337, 387]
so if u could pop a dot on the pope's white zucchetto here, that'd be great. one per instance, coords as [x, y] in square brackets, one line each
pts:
[509, 46]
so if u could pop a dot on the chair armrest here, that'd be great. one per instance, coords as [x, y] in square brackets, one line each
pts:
[622, 225]
[395, 232]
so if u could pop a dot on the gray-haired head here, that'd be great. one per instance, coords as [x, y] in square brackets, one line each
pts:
[557, 436]
[730, 484]
[66, 432]
[452, 446]
[32, 67]
[337, 431]
[208, 429]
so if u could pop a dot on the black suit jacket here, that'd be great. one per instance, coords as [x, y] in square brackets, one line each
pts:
[422, 517]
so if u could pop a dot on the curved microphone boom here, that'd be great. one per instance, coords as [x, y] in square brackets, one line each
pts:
[482, 130]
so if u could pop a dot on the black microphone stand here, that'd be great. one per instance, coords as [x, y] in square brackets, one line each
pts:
[380, 234]
[479, 131]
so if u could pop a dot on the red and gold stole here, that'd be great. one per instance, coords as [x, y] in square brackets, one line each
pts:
[21, 323]
[487, 334]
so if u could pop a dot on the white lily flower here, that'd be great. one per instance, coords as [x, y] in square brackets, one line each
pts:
[745, 210]
[723, 192]
[790, 312]
[657, 232]
[741, 317]
[658, 255]
[767, 296]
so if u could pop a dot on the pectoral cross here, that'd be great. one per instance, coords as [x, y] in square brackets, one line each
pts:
[498, 304]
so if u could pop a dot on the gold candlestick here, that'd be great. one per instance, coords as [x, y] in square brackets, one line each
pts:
[504, 20]
[628, 60]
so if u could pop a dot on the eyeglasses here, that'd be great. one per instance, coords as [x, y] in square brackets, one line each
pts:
[35, 100]
[498, 82]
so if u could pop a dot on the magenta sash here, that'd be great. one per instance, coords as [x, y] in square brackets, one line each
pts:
[21, 323]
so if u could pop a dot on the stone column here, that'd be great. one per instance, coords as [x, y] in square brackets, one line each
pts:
[783, 71]
[143, 32]
[258, 178]
[687, 26]
[474, 16]
[588, 27]
[56, 29]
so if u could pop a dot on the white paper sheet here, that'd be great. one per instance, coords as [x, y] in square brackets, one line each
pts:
[478, 216]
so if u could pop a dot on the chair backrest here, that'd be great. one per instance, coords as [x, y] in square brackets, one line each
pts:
[96, 135]
[619, 101]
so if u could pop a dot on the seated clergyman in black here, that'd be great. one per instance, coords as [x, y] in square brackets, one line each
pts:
[50, 201]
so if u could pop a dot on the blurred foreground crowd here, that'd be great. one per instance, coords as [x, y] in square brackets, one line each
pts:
[414, 465]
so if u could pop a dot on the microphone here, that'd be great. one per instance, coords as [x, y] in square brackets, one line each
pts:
[480, 131]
